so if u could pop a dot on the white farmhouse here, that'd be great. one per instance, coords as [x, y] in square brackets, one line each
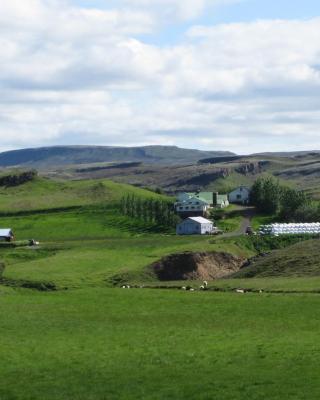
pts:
[240, 195]
[195, 226]
[191, 206]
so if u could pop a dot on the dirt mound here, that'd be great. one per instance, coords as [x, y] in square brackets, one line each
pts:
[197, 266]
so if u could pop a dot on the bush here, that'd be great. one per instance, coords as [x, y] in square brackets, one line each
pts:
[2, 267]
[18, 179]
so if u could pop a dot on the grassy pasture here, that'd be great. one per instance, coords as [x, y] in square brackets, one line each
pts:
[44, 194]
[130, 344]
[95, 262]
[96, 342]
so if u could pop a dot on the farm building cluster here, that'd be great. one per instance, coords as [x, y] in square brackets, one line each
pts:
[194, 208]
[199, 203]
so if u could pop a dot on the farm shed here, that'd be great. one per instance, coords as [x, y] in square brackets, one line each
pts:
[6, 235]
[240, 195]
[195, 226]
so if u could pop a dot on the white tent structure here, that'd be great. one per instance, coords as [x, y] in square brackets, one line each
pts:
[290, 229]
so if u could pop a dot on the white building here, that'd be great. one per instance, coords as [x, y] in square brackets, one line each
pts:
[195, 226]
[192, 206]
[240, 195]
[6, 235]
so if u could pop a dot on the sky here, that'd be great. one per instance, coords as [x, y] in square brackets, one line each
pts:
[237, 75]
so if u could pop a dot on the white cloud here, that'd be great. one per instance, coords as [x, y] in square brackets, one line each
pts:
[170, 10]
[77, 75]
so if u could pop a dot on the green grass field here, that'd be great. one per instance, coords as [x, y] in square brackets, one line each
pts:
[149, 344]
[44, 194]
[76, 335]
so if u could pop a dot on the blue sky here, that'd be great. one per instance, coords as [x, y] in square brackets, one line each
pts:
[240, 75]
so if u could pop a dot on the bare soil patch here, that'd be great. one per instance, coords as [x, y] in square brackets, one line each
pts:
[197, 266]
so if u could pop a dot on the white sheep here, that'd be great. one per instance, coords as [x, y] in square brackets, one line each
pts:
[191, 290]
[201, 287]
[183, 288]
[242, 291]
[205, 283]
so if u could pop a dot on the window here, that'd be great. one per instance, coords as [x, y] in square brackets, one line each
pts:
[187, 208]
[192, 208]
[180, 208]
[239, 196]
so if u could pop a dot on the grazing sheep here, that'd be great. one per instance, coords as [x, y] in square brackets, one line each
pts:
[191, 290]
[201, 287]
[123, 287]
[128, 287]
[242, 291]
[260, 291]
[183, 288]
[205, 283]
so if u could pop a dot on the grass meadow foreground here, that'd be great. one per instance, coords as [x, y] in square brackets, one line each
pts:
[152, 344]
[77, 335]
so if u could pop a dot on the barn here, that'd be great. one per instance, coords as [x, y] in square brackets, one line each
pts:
[195, 226]
[6, 235]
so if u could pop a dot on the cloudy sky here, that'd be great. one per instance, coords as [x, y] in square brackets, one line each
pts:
[239, 75]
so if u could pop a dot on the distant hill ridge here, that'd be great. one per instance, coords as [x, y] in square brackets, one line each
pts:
[64, 155]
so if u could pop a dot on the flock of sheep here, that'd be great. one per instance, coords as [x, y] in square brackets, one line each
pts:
[204, 286]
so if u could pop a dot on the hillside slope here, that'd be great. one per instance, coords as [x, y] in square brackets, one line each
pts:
[222, 174]
[301, 259]
[45, 194]
[62, 155]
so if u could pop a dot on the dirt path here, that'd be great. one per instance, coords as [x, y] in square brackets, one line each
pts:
[247, 213]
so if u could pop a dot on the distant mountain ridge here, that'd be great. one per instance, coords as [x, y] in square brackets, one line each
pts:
[64, 155]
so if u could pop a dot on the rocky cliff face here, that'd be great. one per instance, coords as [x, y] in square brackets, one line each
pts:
[252, 168]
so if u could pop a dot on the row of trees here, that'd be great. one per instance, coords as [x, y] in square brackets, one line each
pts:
[149, 210]
[270, 197]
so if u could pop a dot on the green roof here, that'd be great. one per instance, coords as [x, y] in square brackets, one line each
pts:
[204, 196]
[221, 198]
[208, 197]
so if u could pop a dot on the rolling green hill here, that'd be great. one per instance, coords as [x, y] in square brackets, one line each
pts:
[301, 259]
[45, 194]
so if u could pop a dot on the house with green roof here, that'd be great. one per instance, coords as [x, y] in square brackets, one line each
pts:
[214, 199]
[199, 203]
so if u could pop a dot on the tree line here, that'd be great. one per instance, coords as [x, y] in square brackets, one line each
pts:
[289, 204]
[155, 211]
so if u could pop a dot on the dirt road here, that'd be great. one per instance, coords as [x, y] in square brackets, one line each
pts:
[247, 213]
